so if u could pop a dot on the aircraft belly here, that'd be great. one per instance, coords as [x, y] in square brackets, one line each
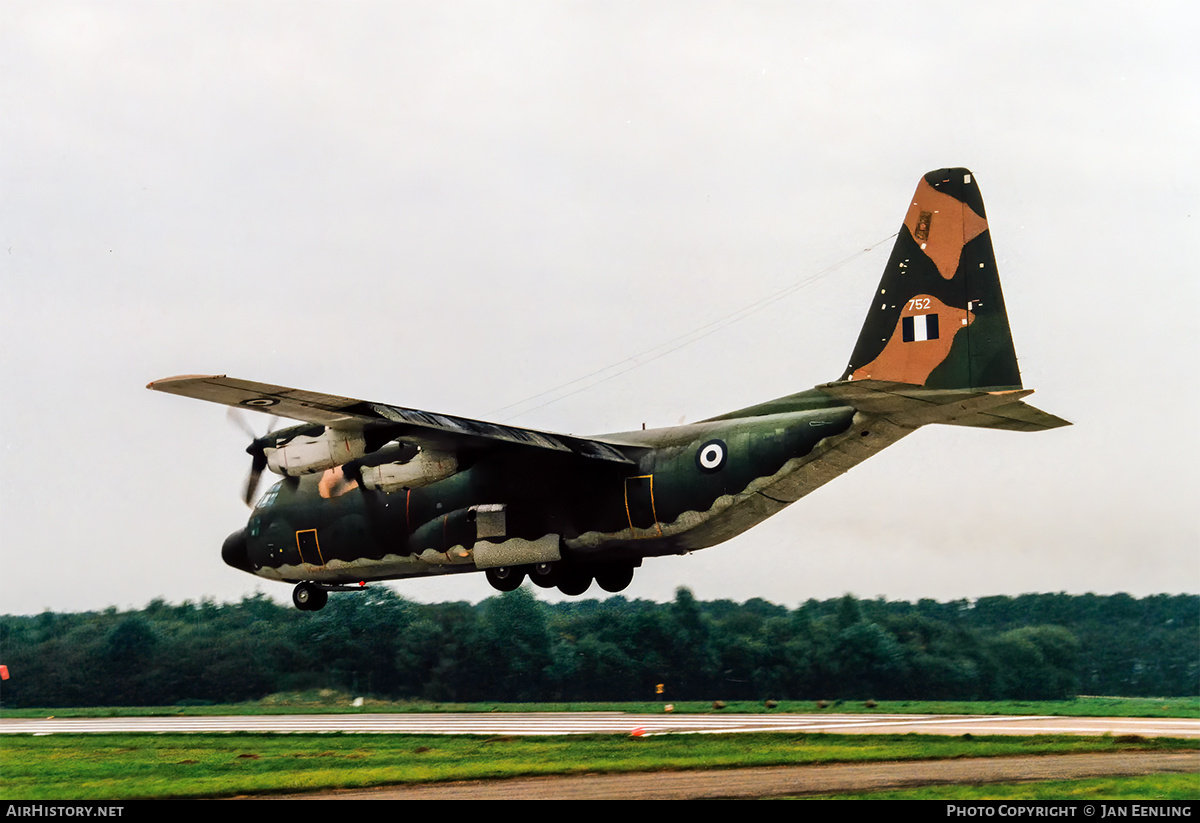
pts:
[458, 558]
[389, 567]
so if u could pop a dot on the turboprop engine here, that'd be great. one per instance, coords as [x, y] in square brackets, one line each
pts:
[386, 467]
[405, 469]
[308, 453]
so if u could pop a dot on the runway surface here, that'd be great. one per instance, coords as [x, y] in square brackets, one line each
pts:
[552, 723]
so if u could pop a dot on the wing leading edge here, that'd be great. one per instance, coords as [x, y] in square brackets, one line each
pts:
[424, 428]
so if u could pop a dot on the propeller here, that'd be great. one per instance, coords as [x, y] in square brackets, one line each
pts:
[258, 461]
[257, 464]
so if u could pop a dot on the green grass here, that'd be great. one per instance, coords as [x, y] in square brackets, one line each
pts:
[335, 702]
[126, 767]
[1184, 787]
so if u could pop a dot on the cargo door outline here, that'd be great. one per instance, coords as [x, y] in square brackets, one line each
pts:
[639, 506]
[306, 540]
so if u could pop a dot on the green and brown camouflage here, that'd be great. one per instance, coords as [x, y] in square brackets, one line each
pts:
[938, 319]
[372, 491]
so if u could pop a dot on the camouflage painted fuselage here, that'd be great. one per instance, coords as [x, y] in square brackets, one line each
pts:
[691, 487]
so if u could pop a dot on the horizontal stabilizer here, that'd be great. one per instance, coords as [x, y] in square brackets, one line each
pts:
[910, 405]
[1019, 416]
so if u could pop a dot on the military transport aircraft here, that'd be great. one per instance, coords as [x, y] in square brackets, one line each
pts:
[372, 491]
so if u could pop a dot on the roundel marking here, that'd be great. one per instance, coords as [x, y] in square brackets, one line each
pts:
[711, 456]
[260, 401]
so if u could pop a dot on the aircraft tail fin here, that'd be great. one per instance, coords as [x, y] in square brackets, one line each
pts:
[938, 319]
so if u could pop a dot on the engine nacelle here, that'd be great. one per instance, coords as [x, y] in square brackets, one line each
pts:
[308, 454]
[427, 466]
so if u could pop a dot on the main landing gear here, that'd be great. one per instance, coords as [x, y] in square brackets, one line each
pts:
[569, 578]
[505, 578]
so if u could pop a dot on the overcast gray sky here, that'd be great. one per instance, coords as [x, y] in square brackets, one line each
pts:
[457, 206]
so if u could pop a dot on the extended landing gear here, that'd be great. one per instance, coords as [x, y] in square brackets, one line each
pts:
[573, 580]
[505, 578]
[309, 597]
[615, 577]
[543, 575]
[569, 578]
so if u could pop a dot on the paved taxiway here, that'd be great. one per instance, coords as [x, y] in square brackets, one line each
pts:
[548, 723]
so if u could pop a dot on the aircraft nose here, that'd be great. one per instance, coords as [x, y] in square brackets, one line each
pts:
[234, 553]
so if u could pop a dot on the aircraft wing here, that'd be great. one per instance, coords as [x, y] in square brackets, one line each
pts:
[441, 431]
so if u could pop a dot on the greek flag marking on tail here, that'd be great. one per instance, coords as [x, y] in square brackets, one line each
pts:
[920, 327]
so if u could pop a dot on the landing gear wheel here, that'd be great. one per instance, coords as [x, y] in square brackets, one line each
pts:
[308, 597]
[505, 578]
[543, 575]
[614, 578]
[573, 582]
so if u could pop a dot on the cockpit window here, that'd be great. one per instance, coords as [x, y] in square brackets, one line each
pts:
[269, 496]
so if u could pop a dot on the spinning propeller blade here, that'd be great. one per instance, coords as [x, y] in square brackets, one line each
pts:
[255, 450]
[257, 464]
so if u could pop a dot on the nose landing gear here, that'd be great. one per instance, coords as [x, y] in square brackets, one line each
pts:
[309, 597]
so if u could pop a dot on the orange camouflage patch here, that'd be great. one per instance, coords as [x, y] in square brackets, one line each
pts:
[334, 484]
[942, 225]
[912, 361]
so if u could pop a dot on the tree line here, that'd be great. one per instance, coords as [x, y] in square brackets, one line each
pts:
[513, 647]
